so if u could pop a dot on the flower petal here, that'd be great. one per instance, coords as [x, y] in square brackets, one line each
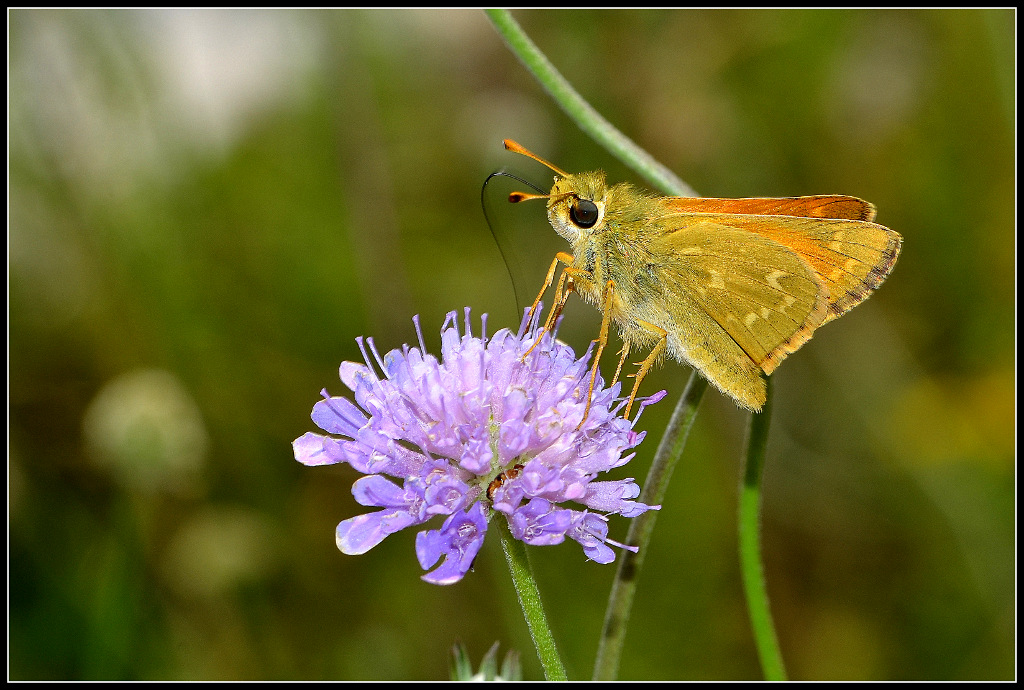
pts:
[375, 490]
[459, 540]
[540, 523]
[591, 531]
[310, 449]
[351, 373]
[338, 416]
[360, 534]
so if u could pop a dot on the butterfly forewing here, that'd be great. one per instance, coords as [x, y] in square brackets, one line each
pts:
[850, 257]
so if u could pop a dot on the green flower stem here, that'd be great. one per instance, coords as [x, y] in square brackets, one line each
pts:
[529, 599]
[581, 112]
[620, 601]
[672, 444]
[750, 544]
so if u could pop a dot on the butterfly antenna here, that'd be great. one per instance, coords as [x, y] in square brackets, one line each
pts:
[507, 254]
[516, 197]
[516, 148]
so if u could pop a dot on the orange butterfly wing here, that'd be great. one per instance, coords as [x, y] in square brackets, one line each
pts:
[832, 233]
[822, 206]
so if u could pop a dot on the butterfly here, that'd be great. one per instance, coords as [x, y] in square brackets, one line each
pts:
[730, 287]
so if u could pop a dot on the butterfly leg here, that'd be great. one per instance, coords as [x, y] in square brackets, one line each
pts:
[565, 258]
[563, 289]
[601, 341]
[654, 356]
[622, 360]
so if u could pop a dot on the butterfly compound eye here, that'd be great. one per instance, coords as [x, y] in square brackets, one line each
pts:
[584, 213]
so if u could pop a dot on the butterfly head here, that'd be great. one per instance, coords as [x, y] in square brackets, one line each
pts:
[576, 203]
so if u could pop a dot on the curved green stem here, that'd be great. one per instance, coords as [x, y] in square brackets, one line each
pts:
[581, 112]
[620, 600]
[750, 544]
[671, 447]
[529, 599]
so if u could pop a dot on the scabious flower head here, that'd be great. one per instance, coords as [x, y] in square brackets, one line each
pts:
[482, 431]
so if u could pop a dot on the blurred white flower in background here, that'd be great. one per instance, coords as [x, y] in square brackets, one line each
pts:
[147, 431]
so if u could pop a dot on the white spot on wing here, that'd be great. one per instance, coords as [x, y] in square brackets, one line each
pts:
[773, 279]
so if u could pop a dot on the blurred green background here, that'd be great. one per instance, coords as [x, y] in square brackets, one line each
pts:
[207, 207]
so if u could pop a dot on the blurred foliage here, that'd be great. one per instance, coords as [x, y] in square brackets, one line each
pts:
[207, 207]
[462, 665]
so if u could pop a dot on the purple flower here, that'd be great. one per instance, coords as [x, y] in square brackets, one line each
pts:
[481, 431]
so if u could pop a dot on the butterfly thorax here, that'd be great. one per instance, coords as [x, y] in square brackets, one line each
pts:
[616, 247]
